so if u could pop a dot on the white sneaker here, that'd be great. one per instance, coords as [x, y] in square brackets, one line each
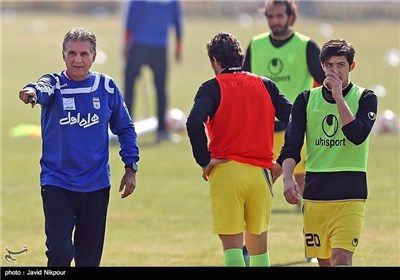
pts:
[311, 260]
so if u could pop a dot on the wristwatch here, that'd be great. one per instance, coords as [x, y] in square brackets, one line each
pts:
[132, 166]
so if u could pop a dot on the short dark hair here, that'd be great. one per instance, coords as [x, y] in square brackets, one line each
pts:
[80, 34]
[226, 49]
[291, 6]
[337, 47]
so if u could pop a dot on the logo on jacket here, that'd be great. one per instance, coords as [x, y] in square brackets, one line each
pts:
[330, 125]
[83, 121]
[96, 102]
[275, 66]
[371, 116]
[69, 103]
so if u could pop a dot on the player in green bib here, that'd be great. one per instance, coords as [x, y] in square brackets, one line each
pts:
[287, 57]
[335, 120]
[290, 59]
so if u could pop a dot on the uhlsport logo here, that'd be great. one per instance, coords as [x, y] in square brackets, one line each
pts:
[371, 116]
[330, 126]
[275, 66]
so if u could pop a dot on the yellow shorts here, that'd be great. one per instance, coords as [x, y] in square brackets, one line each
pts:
[329, 225]
[279, 139]
[241, 198]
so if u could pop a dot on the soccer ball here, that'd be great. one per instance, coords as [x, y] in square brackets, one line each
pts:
[175, 121]
[386, 123]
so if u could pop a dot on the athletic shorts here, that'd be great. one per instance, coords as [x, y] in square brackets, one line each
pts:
[241, 198]
[329, 225]
[279, 140]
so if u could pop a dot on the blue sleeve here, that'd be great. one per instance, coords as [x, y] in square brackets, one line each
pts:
[132, 15]
[45, 88]
[177, 19]
[121, 124]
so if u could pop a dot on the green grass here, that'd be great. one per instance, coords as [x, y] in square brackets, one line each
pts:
[167, 221]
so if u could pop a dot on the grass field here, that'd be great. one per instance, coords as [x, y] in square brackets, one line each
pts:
[167, 222]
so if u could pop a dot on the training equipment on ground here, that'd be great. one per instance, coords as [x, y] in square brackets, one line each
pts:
[25, 131]
[175, 123]
[386, 122]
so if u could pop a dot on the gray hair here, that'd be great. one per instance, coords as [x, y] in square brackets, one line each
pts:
[80, 34]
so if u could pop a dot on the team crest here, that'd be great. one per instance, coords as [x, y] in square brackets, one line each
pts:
[96, 102]
[69, 104]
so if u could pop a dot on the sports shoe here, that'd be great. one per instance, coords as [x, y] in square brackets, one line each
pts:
[310, 260]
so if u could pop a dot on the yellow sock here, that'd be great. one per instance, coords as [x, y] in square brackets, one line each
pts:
[260, 260]
[234, 257]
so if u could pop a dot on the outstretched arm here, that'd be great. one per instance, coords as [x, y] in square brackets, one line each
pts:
[28, 96]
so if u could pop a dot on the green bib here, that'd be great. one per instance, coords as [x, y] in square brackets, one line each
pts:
[328, 150]
[286, 65]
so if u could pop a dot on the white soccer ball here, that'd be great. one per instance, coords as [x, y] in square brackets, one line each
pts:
[175, 121]
[387, 122]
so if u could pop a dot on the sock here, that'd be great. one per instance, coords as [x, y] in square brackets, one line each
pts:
[260, 260]
[234, 257]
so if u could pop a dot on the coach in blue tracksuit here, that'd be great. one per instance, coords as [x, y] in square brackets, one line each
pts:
[146, 43]
[78, 106]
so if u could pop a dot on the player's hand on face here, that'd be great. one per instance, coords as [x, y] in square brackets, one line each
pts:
[334, 84]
